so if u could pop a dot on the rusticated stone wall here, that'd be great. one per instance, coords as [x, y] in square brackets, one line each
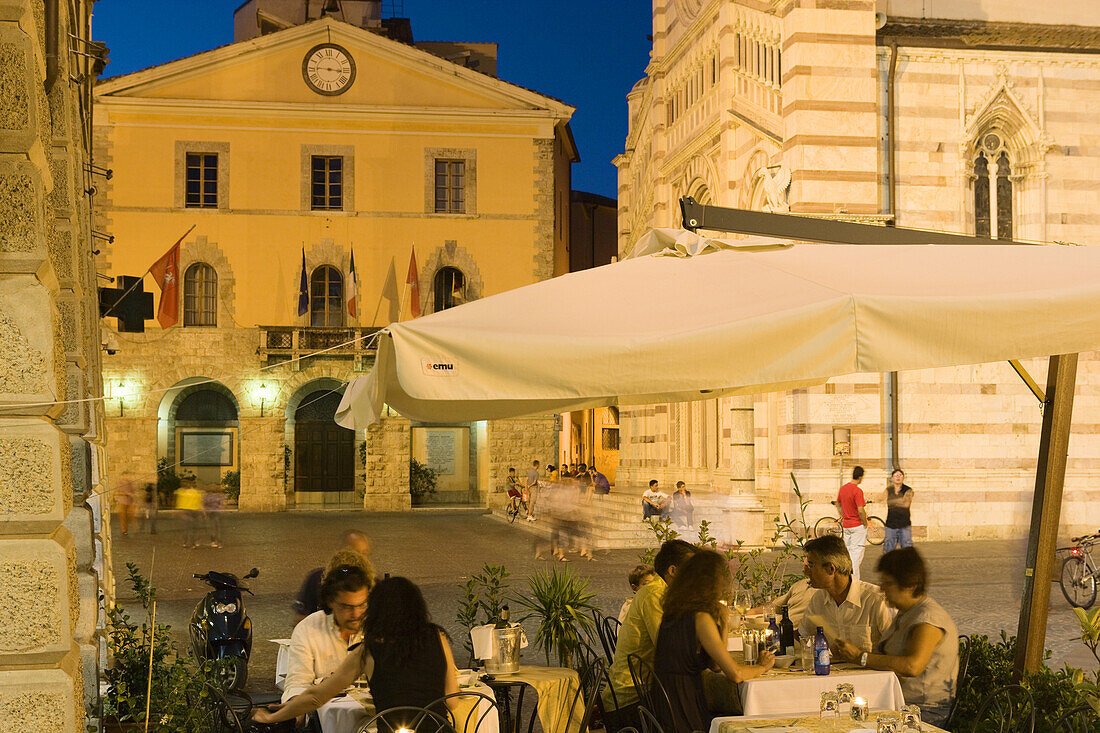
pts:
[49, 354]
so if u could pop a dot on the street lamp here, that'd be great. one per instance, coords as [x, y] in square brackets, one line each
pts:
[121, 392]
[264, 393]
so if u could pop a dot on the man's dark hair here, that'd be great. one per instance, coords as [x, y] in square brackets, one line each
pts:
[342, 579]
[652, 482]
[672, 553]
[584, 467]
[534, 463]
[680, 483]
[831, 550]
[906, 568]
[857, 473]
[511, 469]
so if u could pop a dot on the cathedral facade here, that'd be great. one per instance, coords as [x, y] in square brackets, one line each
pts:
[967, 118]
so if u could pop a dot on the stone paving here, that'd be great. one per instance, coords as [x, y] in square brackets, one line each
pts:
[977, 582]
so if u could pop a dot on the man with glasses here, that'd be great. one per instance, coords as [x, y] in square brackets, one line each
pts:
[320, 642]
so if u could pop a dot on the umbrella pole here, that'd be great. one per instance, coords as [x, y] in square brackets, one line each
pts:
[1046, 510]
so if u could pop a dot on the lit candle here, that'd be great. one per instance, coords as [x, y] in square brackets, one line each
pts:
[860, 710]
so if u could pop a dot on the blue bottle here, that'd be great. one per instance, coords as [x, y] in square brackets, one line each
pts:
[822, 656]
[774, 644]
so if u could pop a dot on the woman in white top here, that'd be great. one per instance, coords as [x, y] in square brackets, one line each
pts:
[922, 644]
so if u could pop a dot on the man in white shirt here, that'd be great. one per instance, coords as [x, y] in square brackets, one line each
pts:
[320, 641]
[847, 608]
[655, 503]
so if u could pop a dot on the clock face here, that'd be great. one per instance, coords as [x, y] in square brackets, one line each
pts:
[328, 69]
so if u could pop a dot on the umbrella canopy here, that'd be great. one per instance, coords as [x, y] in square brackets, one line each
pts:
[687, 317]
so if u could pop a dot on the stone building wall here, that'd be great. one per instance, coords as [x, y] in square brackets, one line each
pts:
[386, 470]
[516, 442]
[49, 349]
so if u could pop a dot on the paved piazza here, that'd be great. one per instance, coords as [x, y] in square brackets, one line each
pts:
[977, 582]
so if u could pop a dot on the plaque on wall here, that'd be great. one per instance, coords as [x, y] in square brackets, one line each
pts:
[440, 449]
[206, 449]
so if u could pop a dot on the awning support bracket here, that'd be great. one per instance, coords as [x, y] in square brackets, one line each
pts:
[1028, 380]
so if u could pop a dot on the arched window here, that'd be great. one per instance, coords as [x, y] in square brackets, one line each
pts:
[992, 188]
[450, 288]
[326, 297]
[200, 295]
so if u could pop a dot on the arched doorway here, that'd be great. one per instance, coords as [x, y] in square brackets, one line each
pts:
[205, 431]
[324, 452]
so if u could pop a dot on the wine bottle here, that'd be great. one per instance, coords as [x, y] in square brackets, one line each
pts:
[786, 632]
[502, 623]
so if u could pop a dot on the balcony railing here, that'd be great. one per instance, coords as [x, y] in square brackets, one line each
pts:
[300, 345]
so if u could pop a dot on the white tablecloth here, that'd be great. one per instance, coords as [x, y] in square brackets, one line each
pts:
[345, 714]
[798, 693]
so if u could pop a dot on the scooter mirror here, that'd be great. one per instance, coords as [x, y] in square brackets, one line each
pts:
[252, 573]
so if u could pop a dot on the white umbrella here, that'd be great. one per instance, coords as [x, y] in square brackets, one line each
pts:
[690, 318]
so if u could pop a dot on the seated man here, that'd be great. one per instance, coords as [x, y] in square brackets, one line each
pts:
[320, 642]
[796, 599]
[655, 503]
[638, 634]
[845, 607]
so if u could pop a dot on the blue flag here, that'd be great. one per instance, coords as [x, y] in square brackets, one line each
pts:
[303, 288]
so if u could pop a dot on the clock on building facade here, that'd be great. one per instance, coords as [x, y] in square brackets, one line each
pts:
[328, 69]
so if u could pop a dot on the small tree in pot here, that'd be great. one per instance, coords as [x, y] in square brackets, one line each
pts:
[561, 604]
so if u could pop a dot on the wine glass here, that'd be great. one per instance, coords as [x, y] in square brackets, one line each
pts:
[742, 602]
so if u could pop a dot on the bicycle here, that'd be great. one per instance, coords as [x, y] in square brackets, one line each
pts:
[1079, 572]
[515, 507]
[876, 529]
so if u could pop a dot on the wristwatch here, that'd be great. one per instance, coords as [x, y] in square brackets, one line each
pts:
[863, 659]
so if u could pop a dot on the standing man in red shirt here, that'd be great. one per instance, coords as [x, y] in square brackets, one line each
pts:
[853, 518]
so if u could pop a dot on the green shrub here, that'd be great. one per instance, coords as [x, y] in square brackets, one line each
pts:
[231, 483]
[421, 480]
[561, 604]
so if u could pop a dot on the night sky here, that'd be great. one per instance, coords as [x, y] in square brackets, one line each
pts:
[588, 53]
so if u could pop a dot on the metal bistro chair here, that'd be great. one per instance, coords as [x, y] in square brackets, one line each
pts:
[483, 708]
[1082, 719]
[406, 718]
[649, 721]
[598, 628]
[611, 628]
[1010, 709]
[650, 690]
[960, 679]
[592, 671]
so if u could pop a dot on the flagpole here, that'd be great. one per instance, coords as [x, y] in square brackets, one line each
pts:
[142, 278]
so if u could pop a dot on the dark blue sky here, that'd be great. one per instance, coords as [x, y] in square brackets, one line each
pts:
[586, 52]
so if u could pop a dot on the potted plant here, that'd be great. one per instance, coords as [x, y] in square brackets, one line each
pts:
[231, 484]
[422, 480]
[182, 696]
[484, 592]
[561, 604]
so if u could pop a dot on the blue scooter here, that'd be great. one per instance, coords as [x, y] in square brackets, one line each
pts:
[220, 628]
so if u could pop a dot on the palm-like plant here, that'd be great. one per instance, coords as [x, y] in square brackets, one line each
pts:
[561, 604]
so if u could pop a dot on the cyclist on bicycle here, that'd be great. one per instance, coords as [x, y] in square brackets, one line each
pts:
[515, 490]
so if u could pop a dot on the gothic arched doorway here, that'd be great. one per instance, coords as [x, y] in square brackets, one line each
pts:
[324, 452]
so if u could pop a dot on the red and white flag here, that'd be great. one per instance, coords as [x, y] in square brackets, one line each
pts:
[166, 271]
[353, 289]
[413, 279]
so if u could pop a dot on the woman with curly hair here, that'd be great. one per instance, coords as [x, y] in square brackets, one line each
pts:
[692, 638]
[404, 656]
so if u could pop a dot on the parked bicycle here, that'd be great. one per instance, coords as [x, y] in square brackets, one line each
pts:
[1079, 572]
[876, 530]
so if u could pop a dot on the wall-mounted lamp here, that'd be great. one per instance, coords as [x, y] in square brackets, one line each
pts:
[265, 393]
[121, 392]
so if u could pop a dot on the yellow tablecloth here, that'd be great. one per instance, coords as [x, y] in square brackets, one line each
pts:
[556, 688]
[801, 725]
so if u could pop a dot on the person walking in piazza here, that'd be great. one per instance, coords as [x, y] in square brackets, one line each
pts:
[853, 518]
[899, 525]
[532, 487]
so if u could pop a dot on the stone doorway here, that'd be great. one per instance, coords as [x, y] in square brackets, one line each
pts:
[324, 453]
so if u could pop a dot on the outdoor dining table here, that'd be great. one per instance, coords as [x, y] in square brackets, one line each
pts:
[807, 724]
[797, 692]
[346, 713]
[556, 687]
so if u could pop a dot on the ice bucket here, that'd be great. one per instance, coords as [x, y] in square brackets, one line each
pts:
[505, 651]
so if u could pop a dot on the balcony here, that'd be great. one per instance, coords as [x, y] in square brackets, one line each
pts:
[298, 347]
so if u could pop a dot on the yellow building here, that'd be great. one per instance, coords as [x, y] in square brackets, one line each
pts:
[290, 151]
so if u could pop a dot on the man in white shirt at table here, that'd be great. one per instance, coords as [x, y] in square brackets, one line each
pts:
[846, 607]
[321, 640]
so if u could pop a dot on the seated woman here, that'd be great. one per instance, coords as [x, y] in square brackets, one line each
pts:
[404, 656]
[692, 638]
[921, 646]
